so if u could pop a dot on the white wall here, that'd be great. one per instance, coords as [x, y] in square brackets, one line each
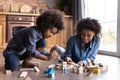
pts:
[118, 30]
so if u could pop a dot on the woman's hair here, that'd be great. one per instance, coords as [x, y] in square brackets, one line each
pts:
[50, 19]
[90, 24]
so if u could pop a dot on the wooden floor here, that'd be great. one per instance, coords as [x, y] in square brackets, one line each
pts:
[113, 72]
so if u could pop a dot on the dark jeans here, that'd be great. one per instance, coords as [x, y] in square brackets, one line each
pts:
[12, 61]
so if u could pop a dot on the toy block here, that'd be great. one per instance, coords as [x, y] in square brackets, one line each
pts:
[75, 70]
[71, 67]
[8, 72]
[50, 72]
[90, 73]
[72, 63]
[66, 70]
[86, 69]
[27, 78]
[23, 74]
[51, 75]
[64, 64]
[58, 66]
[51, 66]
[36, 69]
[92, 67]
[104, 68]
[27, 69]
[96, 71]
[80, 70]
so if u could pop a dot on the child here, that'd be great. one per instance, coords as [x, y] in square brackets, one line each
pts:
[23, 44]
[83, 47]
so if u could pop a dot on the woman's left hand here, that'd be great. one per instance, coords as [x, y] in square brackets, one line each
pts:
[80, 63]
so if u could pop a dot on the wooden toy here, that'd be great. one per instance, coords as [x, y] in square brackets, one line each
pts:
[8, 72]
[27, 69]
[51, 66]
[23, 74]
[50, 72]
[96, 71]
[80, 70]
[36, 69]
[66, 70]
[90, 73]
[27, 78]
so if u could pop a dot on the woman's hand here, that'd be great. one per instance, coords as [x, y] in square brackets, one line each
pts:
[80, 63]
[68, 59]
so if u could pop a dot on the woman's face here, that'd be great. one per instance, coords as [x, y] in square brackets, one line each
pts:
[87, 35]
[50, 32]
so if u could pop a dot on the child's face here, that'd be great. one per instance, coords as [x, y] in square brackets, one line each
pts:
[50, 32]
[87, 35]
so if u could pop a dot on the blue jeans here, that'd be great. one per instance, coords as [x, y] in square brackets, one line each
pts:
[12, 61]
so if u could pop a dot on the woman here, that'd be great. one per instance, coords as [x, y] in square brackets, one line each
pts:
[83, 47]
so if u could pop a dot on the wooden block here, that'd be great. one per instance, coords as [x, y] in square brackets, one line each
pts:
[51, 66]
[80, 70]
[72, 63]
[64, 64]
[27, 78]
[75, 70]
[66, 70]
[36, 69]
[23, 74]
[90, 73]
[58, 66]
[27, 69]
[96, 71]
[8, 72]
[71, 67]
[104, 68]
[92, 67]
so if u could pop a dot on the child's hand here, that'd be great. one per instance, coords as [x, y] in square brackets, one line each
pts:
[42, 57]
[52, 49]
[68, 59]
[49, 56]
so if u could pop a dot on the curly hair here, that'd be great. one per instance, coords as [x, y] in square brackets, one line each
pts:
[90, 24]
[50, 19]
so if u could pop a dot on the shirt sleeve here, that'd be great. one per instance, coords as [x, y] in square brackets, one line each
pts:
[44, 52]
[91, 55]
[31, 44]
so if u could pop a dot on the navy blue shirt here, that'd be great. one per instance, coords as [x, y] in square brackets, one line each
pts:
[77, 52]
[24, 41]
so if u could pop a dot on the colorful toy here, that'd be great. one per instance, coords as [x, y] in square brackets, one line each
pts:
[50, 72]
